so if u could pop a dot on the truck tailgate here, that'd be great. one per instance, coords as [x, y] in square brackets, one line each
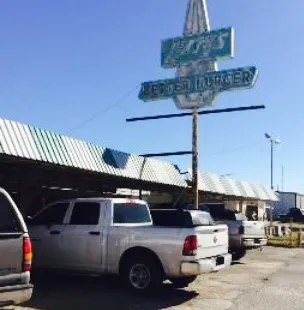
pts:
[254, 229]
[212, 240]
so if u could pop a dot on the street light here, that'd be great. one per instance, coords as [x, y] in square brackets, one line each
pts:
[273, 142]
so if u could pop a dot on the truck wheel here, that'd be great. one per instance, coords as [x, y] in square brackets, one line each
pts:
[238, 254]
[182, 282]
[142, 274]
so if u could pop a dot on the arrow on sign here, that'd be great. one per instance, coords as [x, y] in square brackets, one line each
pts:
[211, 82]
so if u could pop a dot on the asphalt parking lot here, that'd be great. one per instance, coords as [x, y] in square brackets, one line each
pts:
[271, 279]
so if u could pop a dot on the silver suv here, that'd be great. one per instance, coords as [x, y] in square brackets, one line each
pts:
[15, 254]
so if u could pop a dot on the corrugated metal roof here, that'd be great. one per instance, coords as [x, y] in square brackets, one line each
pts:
[44, 146]
[213, 183]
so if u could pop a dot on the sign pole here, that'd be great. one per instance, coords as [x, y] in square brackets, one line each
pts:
[195, 158]
[197, 82]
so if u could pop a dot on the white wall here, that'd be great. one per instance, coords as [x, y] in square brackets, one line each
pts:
[262, 209]
[232, 205]
[300, 201]
[242, 205]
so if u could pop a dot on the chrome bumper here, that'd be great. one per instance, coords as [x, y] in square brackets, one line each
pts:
[206, 265]
[15, 295]
[254, 243]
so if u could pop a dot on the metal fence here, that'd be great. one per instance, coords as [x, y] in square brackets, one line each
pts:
[285, 234]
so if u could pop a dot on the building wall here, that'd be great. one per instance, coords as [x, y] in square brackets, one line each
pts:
[241, 206]
[300, 201]
[232, 205]
[287, 201]
[235, 205]
[160, 198]
[262, 210]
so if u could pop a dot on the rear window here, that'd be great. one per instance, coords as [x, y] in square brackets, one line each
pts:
[240, 217]
[9, 222]
[202, 219]
[218, 211]
[130, 213]
[180, 218]
[171, 218]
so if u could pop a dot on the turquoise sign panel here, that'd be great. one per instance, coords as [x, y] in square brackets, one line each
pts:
[217, 44]
[215, 82]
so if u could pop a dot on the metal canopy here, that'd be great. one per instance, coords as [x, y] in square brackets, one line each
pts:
[217, 184]
[38, 146]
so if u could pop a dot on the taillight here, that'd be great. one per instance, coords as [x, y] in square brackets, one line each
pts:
[190, 246]
[27, 254]
[241, 230]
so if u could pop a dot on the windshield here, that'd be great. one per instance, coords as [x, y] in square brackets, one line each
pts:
[240, 217]
[202, 219]
[130, 213]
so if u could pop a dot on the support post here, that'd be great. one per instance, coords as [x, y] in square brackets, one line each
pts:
[195, 158]
[271, 177]
[271, 164]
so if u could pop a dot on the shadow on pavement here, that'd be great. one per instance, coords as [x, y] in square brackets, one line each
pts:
[79, 293]
[237, 263]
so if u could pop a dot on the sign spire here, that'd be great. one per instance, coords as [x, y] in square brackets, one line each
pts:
[197, 22]
[197, 18]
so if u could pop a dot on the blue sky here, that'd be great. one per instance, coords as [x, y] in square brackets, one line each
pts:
[65, 62]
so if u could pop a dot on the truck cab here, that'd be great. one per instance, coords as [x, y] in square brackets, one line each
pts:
[117, 236]
[15, 254]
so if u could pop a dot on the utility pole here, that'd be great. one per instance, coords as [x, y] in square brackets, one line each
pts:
[273, 142]
[282, 178]
[195, 158]
[271, 164]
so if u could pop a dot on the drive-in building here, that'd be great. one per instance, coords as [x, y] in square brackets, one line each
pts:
[38, 166]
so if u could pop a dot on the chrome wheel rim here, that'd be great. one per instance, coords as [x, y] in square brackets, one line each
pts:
[139, 276]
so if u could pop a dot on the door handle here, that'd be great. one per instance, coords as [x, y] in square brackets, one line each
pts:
[54, 232]
[94, 233]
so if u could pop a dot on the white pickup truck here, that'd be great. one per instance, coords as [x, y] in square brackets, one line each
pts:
[117, 236]
[243, 234]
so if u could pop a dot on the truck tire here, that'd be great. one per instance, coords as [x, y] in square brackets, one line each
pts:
[182, 282]
[238, 254]
[142, 274]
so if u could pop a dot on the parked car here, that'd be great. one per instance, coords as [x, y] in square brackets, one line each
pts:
[294, 214]
[243, 234]
[117, 236]
[180, 218]
[15, 254]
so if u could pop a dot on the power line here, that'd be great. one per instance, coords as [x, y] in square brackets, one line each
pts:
[235, 149]
[106, 109]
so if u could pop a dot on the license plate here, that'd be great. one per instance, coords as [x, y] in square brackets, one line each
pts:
[257, 240]
[220, 260]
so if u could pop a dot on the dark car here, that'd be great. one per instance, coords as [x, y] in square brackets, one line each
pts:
[15, 254]
[294, 214]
